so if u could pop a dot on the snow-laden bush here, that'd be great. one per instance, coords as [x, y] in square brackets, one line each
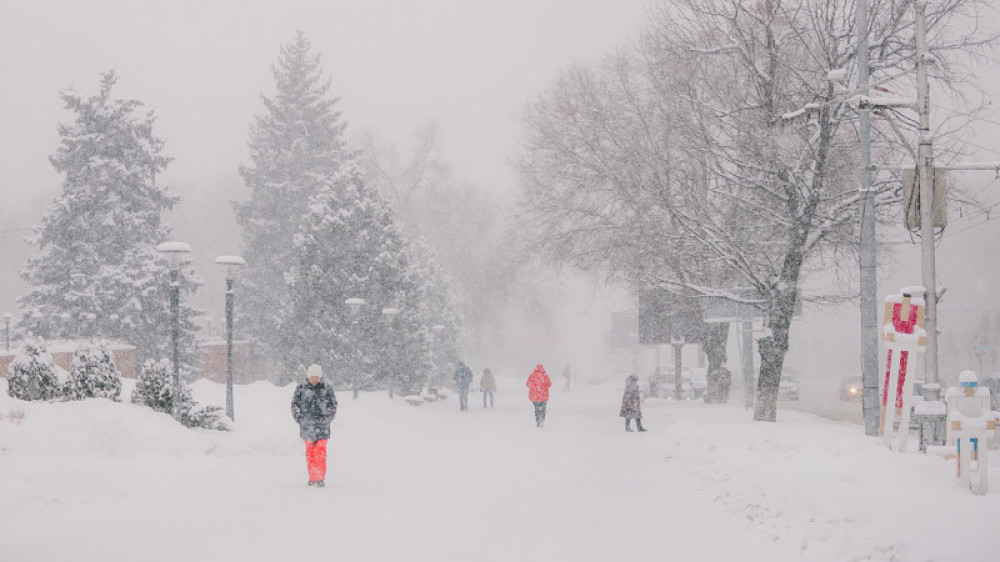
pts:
[93, 374]
[32, 375]
[154, 388]
[208, 417]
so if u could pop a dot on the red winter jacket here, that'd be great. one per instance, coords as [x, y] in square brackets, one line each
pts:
[538, 385]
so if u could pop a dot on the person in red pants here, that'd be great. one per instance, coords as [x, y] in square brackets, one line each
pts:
[314, 406]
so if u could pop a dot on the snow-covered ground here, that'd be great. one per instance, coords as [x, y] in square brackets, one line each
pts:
[97, 480]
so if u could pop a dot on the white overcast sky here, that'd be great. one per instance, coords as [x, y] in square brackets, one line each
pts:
[201, 65]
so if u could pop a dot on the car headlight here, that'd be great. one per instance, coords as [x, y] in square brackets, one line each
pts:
[853, 390]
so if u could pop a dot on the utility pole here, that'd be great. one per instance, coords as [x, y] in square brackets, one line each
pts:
[925, 165]
[868, 279]
[746, 361]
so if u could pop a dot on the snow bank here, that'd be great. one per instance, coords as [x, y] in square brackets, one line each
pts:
[98, 480]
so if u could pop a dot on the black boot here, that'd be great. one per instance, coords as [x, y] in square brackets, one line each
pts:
[628, 424]
[638, 423]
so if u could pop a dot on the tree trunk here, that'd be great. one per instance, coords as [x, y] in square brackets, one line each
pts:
[773, 349]
[716, 338]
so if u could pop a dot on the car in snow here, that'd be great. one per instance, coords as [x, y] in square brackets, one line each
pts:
[666, 388]
[788, 387]
[851, 389]
[699, 380]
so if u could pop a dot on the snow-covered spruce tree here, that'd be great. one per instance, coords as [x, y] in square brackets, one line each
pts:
[296, 147]
[349, 247]
[32, 374]
[93, 374]
[154, 389]
[439, 313]
[97, 260]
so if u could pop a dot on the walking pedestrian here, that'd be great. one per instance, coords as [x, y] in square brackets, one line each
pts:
[487, 385]
[568, 375]
[631, 403]
[463, 379]
[314, 405]
[538, 392]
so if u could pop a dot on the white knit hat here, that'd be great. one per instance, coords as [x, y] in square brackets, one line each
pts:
[314, 371]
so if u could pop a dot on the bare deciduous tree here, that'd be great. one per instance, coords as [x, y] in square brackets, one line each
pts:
[672, 165]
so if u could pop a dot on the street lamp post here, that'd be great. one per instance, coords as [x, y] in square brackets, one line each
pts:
[231, 263]
[175, 252]
[437, 330]
[389, 314]
[64, 325]
[39, 319]
[6, 322]
[678, 343]
[354, 304]
[113, 328]
[92, 324]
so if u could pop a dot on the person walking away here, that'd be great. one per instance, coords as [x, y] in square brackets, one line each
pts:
[314, 405]
[631, 403]
[568, 375]
[654, 383]
[488, 386]
[463, 379]
[538, 392]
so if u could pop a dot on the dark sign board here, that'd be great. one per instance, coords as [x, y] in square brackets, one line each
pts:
[624, 330]
[664, 315]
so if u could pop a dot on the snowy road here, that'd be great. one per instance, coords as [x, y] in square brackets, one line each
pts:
[102, 481]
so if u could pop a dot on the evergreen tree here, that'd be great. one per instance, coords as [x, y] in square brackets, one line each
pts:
[32, 375]
[296, 147]
[93, 374]
[97, 272]
[349, 247]
[154, 389]
[439, 313]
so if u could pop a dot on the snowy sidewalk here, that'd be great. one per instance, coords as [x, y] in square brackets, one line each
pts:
[101, 481]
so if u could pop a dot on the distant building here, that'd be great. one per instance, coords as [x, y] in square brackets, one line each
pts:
[62, 354]
[213, 361]
[213, 355]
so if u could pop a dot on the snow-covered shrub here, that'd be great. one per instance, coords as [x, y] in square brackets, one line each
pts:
[208, 417]
[93, 374]
[154, 388]
[32, 375]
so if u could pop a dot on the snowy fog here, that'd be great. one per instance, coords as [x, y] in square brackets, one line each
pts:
[314, 197]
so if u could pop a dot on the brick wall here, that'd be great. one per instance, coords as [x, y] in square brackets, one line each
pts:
[62, 355]
[213, 355]
[213, 358]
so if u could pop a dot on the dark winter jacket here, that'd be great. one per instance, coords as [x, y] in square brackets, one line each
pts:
[313, 408]
[463, 377]
[631, 398]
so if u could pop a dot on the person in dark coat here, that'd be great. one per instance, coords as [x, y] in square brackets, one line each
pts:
[463, 379]
[314, 406]
[631, 403]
